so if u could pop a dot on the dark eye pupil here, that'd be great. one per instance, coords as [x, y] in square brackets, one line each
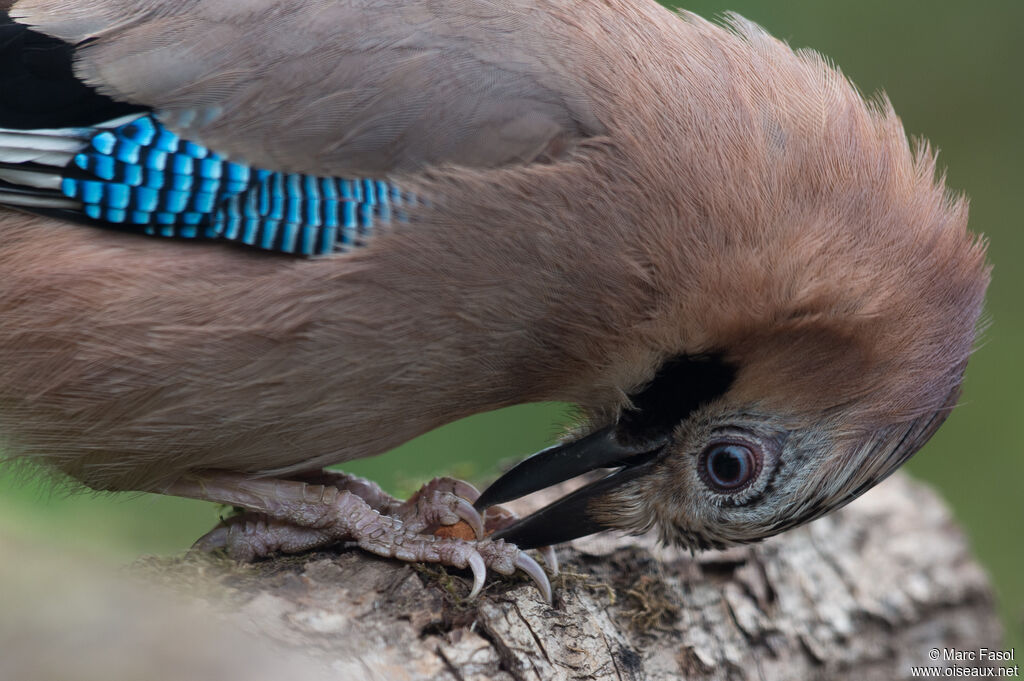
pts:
[729, 466]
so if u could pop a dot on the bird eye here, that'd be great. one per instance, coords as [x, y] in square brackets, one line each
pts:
[729, 466]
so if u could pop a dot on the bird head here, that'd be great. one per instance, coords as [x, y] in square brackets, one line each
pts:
[709, 462]
[815, 294]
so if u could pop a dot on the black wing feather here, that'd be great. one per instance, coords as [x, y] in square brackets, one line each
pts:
[38, 88]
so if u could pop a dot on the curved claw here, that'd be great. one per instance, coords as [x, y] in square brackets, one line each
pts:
[536, 573]
[476, 564]
[464, 509]
[463, 489]
[550, 559]
[217, 538]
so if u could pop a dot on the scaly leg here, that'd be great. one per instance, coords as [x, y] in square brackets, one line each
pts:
[293, 516]
[442, 501]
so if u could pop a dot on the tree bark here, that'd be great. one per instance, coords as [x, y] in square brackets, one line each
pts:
[862, 594]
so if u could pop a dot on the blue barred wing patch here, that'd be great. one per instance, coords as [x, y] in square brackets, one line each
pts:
[142, 175]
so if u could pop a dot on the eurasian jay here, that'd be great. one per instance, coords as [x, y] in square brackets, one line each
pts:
[331, 226]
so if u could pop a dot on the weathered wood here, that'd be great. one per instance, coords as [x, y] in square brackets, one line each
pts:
[863, 594]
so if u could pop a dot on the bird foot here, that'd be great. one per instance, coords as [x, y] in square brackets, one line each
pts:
[291, 516]
[443, 502]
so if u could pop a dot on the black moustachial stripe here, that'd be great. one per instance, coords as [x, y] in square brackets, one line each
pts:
[680, 386]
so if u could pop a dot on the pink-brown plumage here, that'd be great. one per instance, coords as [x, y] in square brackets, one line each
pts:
[689, 189]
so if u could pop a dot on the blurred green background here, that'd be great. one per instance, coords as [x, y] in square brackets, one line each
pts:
[953, 72]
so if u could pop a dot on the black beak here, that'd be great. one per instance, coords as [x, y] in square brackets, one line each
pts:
[569, 517]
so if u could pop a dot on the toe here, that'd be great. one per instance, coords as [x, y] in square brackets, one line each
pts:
[550, 559]
[476, 564]
[465, 511]
[459, 488]
[536, 573]
[506, 558]
[215, 539]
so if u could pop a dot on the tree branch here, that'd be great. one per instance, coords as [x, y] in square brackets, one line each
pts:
[862, 594]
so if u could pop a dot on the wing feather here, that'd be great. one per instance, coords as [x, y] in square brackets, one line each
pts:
[334, 87]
